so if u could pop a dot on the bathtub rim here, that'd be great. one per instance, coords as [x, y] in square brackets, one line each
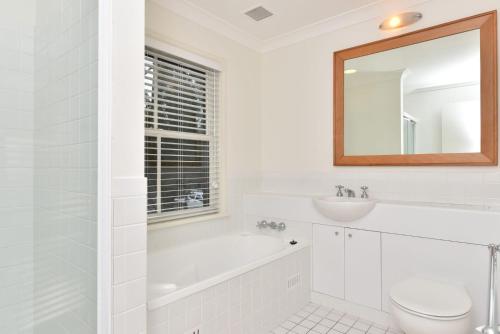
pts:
[166, 299]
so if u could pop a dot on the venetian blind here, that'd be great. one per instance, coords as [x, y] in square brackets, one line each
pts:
[181, 137]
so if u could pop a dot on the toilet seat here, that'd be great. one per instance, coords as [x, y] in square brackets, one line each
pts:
[432, 300]
[427, 316]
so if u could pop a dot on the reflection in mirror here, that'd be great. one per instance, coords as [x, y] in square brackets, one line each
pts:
[418, 99]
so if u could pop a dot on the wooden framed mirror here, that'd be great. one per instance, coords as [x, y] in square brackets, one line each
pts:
[424, 98]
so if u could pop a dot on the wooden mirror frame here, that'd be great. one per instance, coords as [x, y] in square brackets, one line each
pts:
[487, 23]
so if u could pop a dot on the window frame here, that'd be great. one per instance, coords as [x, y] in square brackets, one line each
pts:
[162, 222]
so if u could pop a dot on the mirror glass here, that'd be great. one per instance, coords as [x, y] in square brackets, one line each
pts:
[418, 99]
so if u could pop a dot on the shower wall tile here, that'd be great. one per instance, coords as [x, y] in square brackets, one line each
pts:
[16, 171]
[65, 172]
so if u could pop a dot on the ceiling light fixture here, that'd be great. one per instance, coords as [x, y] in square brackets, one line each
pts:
[350, 71]
[400, 20]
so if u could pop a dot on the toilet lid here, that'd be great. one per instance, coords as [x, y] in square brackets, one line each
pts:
[431, 298]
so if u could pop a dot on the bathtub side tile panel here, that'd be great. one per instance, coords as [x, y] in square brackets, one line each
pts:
[254, 302]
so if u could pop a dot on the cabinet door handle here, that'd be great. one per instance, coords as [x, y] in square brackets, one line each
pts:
[349, 235]
[336, 234]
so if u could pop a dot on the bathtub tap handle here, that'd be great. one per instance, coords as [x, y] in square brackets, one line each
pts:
[281, 227]
[262, 224]
[273, 225]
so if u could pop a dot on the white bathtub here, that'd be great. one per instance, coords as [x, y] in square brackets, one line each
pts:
[174, 273]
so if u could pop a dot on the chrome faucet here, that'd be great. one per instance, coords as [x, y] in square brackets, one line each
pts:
[281, 227]
[262, 224]
[350, 193]
[339, 190]
[272, 225]
[364, 193]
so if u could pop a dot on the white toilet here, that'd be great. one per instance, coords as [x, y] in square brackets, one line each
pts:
[426, 307]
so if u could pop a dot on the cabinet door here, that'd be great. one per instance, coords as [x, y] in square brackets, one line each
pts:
[328, 260]
[363, 268]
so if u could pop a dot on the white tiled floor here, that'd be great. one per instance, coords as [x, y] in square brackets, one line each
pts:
[316, 319]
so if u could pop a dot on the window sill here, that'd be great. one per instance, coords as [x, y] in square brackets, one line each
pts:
[159, 225]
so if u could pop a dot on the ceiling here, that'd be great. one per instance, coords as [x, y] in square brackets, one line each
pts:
[289, 15]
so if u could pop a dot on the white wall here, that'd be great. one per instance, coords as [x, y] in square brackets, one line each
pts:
[297, 130]
[241, 110]
[428, 105]
[461, 131]
[372, 114]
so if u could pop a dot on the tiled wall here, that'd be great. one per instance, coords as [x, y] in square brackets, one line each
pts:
[16, 168]
[65, 173]
[254, 302]
[129, 255]
[447, 185]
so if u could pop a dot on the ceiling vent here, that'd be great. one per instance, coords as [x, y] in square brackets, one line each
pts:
[259, 13]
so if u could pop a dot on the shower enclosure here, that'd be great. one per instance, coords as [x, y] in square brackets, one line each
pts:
[48, 166]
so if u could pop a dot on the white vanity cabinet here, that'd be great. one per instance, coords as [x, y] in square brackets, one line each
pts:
[328, 260]
[363, 272]
[347, 264]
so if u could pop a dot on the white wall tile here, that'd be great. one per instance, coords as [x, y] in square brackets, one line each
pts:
[16, 169]
[129, 267]
[129, 211]
[129, 239]
[423, 220]
[129, 253]
[129, 295]
[131, 322]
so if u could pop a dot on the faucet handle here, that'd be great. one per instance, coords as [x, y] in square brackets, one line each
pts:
[281, 227]
[339, 190]
[262, 224]
[364, 194]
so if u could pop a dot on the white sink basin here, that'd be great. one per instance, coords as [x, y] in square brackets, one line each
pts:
[343, 209]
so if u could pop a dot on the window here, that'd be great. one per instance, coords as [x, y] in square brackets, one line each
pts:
[181, 137]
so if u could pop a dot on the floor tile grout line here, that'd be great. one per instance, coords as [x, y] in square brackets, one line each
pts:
[313, 309]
